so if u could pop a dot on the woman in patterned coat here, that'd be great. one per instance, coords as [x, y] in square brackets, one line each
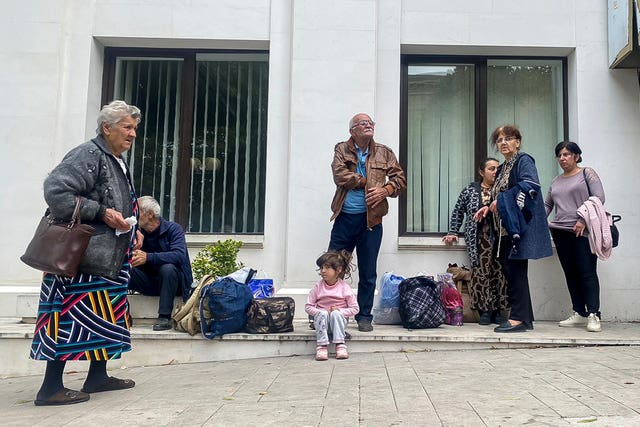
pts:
[487, 290]
[85, 317]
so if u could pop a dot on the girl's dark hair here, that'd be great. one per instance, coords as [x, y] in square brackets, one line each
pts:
[337, 259]
[483, 164]
[507, 130]
[571, 147]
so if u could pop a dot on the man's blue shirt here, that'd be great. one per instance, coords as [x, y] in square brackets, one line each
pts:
[355, 200]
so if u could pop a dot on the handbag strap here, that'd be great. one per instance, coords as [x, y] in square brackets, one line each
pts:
[204, 327]
[584, 174]
[614, 218]
[75, 218]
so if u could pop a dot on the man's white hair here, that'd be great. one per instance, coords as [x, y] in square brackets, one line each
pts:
[352, 122]
[149, 204]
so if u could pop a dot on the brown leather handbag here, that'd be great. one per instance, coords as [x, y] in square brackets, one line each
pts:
[58, 246]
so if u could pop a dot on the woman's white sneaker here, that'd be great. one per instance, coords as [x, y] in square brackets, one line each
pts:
[593, 323]
[574, 320]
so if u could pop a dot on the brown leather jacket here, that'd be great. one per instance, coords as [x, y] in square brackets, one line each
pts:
[381, 164]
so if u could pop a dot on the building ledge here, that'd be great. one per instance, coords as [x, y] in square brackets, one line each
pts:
[249, 241]
[429, 243]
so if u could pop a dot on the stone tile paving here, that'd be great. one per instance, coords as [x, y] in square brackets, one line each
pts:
[595, 386]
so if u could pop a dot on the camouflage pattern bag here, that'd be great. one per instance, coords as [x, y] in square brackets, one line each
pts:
[270, 315]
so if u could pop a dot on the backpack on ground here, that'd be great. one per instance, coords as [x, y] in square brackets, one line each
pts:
[227, 302]
[271, 315]
[420, 305]
[187, 317]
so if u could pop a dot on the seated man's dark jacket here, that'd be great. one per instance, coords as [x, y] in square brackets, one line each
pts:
[173, 250]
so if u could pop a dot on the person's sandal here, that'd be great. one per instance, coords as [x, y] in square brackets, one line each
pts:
[322, 353]
[110, 384]
[341, 351]
[64, 396]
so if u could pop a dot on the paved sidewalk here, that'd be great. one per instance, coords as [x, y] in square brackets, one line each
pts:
[595, 386]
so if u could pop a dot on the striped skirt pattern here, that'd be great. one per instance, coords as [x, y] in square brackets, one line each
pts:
[84, 317]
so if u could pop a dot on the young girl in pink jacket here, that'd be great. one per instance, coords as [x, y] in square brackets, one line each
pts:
[330, 302]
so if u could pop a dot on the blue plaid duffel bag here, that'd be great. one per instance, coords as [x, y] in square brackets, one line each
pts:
[420, 305]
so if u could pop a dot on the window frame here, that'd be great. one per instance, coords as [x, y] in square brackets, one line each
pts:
[185, 134]
[480, 117]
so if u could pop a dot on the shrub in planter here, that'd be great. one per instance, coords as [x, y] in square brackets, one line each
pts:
[218, 259]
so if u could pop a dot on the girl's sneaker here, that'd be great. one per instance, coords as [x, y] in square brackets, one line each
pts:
[322, 353]
[341, 351]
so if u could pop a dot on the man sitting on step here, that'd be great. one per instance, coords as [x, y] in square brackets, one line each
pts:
[161, 266]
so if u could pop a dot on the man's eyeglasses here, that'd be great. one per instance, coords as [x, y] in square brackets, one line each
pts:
[364, 123]
[505, 140]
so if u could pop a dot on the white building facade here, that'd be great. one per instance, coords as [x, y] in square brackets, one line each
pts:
[243, 101]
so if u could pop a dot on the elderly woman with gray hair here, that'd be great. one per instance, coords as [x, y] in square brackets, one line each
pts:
[85, 317]
[520, 223]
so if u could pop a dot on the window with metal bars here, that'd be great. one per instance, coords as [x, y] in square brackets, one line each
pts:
[201, 145]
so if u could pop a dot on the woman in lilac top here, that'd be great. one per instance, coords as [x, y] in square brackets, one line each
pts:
[331, 302]
[567, 193]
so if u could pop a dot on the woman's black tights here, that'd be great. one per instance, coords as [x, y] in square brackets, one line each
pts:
[97, 374]
[52, 379]
[52, 382]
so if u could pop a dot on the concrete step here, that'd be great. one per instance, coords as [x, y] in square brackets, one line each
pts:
[22, 302]
[171, 347]
[19, 305]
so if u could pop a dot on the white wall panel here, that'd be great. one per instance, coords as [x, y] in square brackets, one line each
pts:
[328, 61]
[239, 20]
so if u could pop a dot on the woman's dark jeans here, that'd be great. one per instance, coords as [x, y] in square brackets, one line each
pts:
[580, 271]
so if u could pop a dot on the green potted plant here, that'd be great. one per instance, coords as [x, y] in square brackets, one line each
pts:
[218, 259]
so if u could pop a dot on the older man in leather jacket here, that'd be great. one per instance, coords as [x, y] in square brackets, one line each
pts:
[365, 173]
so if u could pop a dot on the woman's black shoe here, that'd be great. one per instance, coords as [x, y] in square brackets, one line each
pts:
[485, 318]
[528, 325]
[496, 317]
[508, 327]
